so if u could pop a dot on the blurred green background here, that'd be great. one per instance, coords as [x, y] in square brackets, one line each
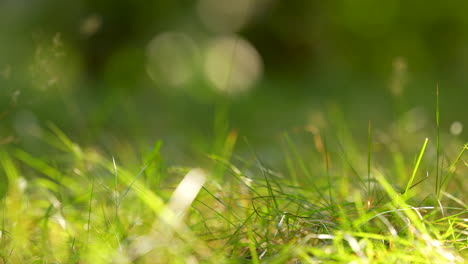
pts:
[131, 72]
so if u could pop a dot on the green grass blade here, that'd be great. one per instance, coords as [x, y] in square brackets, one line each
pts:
[90, 204]
[252, 246]
[154, 154]
[369, 148]
[53, 174]
[437, 144]
[416, 166]
[67, 142]
[327, 171]
[302, 165]
[449, 174]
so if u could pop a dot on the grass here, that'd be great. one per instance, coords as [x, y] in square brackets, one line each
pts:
[74, 204]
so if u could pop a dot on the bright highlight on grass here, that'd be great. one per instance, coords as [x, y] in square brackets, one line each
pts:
[187, 191]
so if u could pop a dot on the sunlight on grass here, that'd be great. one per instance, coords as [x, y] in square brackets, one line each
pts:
[84, 207]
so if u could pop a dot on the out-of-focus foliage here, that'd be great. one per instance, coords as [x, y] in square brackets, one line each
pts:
[154, 67]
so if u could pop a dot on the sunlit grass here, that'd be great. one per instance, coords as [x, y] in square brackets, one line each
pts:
[80, 205]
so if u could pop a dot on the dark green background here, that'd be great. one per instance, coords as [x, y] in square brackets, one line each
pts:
[317, 55]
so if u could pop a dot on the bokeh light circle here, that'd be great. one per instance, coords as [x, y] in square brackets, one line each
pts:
[232, 65]
[171, 59]
[456, 128]
[225, 15]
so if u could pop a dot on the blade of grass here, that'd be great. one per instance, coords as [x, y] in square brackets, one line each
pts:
[156, 204]
[53, 175]
[222, 142]
[369, 148]
[265, 176]
[252, 246]
[269, 187]
[90, 210]
[302, 165]
[416, 166]
[238, 230]
[289, 162]
[11, 175]
[437, 143]
[116, 191]
[67, 142]
[327, 170]
[400, 203]
[449, 174]
[154, 154]
[351, 167]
